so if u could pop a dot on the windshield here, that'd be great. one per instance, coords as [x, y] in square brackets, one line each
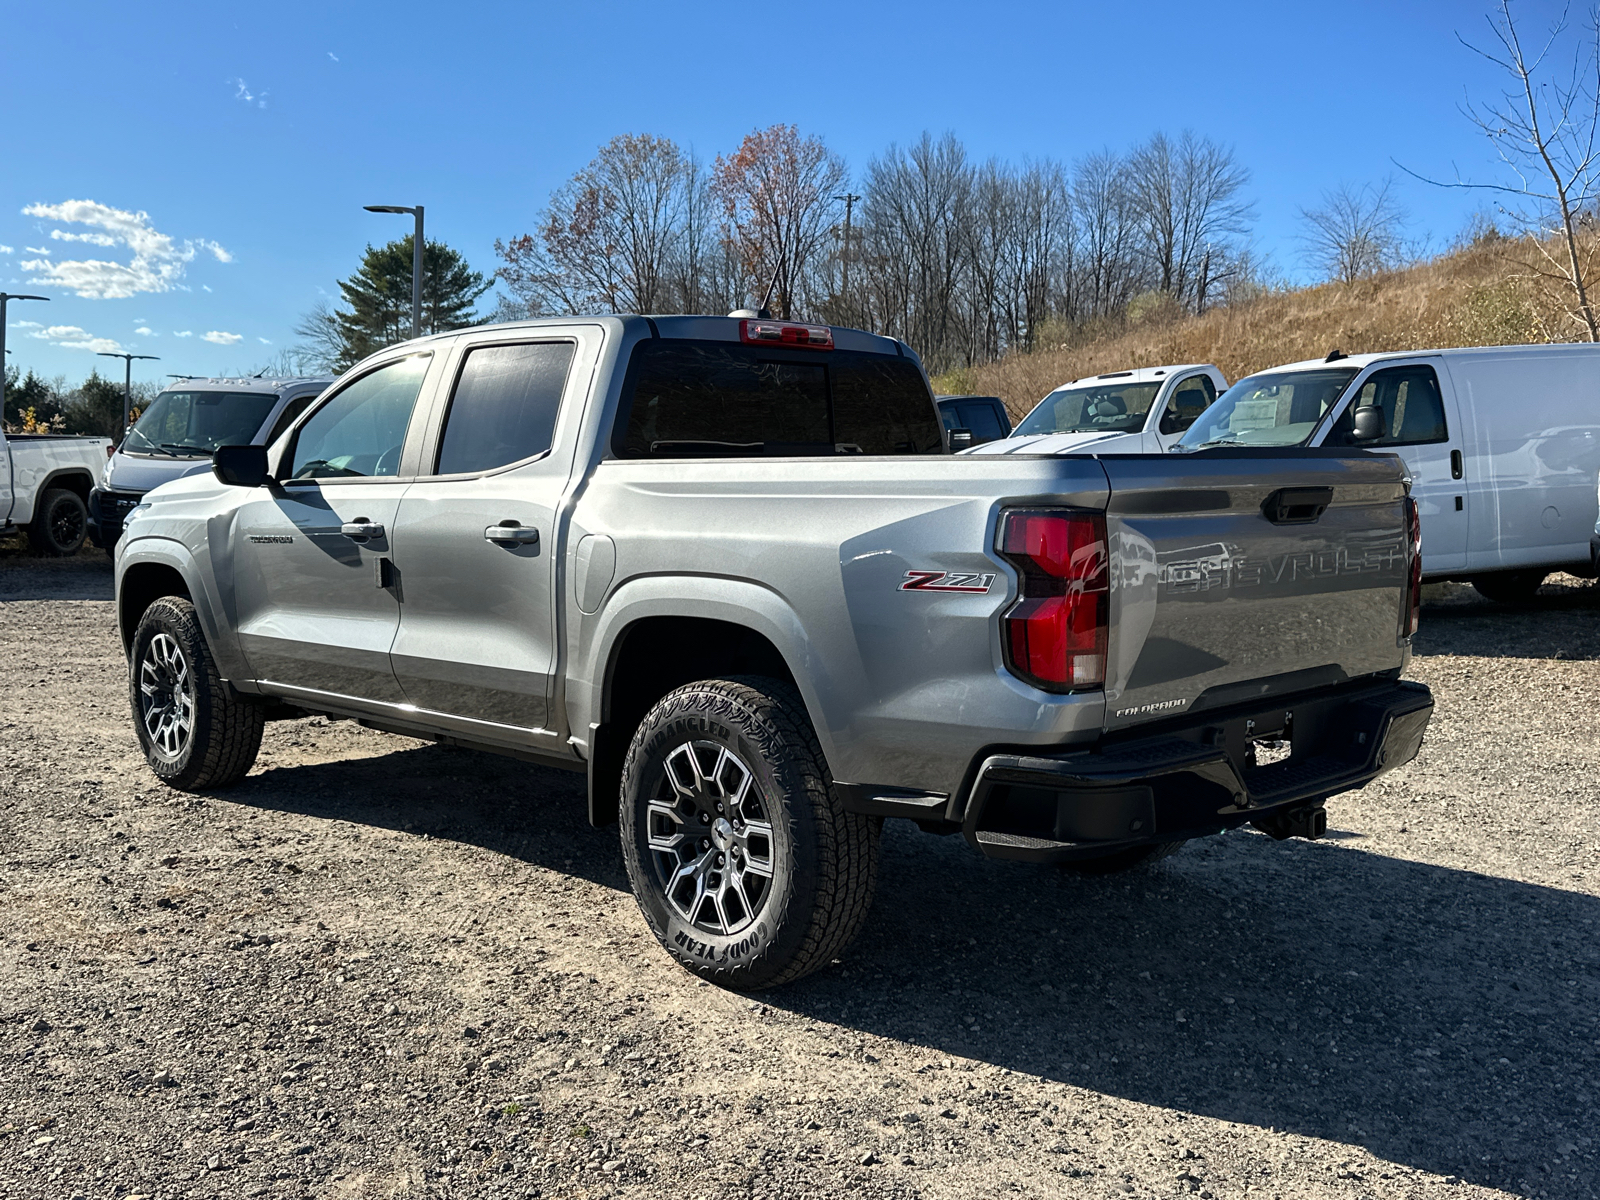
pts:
[189, 423]
[1091, 408]
[1275, 408]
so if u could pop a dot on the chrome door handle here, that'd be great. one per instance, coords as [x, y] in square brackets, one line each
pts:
[517, 535]
[361, 531]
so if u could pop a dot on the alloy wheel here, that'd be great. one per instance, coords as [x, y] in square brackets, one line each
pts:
[66, 524]
[166, 696]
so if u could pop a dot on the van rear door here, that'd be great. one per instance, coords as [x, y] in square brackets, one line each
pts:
[1239, 575]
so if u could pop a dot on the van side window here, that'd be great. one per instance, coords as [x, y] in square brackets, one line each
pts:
[286, 418]
[1189, 399]
[1413, 410]
[504, 406]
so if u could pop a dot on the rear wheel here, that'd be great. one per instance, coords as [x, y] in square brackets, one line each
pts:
[1510, 587]
[743, 859]
[1122, 860]
[195, 733]
[60, 524]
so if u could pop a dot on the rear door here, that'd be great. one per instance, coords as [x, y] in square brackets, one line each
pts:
[1230, 581]
[476, 539]
[317, 609]
[1422, 424]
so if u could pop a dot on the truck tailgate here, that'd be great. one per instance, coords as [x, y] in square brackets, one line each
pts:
[1230, 581]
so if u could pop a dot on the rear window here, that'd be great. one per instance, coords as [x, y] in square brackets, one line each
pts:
[701, 399]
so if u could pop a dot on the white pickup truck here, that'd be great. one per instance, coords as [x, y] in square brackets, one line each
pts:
[44, 487]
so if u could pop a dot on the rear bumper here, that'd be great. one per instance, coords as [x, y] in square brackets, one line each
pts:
[107, 511]
[1194, 779]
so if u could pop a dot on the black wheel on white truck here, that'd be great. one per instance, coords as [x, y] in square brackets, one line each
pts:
[61, 523]
[743, 859]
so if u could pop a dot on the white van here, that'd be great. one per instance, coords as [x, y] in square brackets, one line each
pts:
[1502, 442]
[1142, 411]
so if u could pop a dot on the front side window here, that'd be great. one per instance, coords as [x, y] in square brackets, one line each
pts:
[193, 423]
[359, 432]
[982, 419]
[1413, 410]
[1091, 408]
[504, 406]
[1275, 408]
[1189, 399]
[287, 417]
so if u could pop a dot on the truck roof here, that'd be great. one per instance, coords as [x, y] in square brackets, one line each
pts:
[1137, 374]
[247, 383]
[1363, 360]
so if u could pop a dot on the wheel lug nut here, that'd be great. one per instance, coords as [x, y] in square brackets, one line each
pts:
[705, 843]
[719, 808]
[720, 861]
[705, 818]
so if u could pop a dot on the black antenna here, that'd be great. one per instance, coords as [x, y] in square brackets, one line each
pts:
[763, 311]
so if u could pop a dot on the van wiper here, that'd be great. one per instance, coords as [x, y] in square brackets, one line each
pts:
[173, 447]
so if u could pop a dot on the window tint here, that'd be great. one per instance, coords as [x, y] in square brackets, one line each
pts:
[1413, 411]
[287, 417]
[199, 422]
[359, 432]
[881, 405]
[1189, 399]
[1094, 408]
[982, 420]
[504, 406]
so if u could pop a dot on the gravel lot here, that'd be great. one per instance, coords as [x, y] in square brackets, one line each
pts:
[381, 968]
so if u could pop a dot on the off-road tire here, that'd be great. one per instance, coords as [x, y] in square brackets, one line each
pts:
[60, 523]
[1122, 860]
[1512, 588]
[224, 736]
[824, 860]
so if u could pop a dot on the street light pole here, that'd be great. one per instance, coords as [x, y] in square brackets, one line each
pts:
[4, 299]
[416, 260]
[849, 199]
[127, 383]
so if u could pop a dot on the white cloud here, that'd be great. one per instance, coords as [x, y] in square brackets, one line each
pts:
[244, 93]
[71, 337]
[218, 338]
[146, 331]
[207, 286]
[264, 341]
[183, 333]
[157, 265]
[333, 56]
[45, 250]
[6, 250]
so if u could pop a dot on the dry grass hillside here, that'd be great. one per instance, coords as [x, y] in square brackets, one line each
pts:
[1475, 296]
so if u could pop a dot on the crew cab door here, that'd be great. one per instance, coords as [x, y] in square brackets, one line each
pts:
[312, 558]
[477, 539]
[1422, 425]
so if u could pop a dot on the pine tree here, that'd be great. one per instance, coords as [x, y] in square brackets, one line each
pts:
[378, 297]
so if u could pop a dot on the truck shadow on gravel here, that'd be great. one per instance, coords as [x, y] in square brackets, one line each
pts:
[1562, 622]
[1442, 1019]
[85, 576]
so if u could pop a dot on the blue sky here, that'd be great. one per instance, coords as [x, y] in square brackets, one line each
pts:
[221, 154]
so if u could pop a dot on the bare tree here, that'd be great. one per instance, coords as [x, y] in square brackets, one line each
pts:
[608, 235]
[777, 191]
[1186, 193]
[321, 342]
[1543, 128]
[1356, 232]
[1106, 222]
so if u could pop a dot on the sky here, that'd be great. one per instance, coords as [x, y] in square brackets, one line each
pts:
[187, 180]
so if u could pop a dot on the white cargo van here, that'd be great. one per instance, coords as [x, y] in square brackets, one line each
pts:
[1502, 442]
[1139, 411]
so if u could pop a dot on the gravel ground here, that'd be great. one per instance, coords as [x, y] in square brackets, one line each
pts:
[382, 968]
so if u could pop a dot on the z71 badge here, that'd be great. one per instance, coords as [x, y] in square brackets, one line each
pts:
[946, 581]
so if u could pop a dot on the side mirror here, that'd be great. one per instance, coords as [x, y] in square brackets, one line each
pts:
[1369, 424]
[241, 466]
[960, 439]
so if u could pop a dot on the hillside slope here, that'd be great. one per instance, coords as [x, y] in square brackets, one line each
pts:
[1471, 297]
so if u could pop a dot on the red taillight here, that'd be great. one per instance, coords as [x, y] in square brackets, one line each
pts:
[1413, 610]
[1055, 634]
[781, 333]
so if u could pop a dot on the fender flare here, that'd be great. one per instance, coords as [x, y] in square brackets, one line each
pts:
[169, 552]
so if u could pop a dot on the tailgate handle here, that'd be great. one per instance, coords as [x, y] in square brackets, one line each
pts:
[1297, 506]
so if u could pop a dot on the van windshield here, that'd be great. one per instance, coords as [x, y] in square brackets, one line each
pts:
[1091, 408]
[1275, 408]
[194, 423]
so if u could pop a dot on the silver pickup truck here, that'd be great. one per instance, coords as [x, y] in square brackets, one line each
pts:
[723, 566]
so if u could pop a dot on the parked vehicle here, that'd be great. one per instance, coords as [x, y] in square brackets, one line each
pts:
[1143, 411]
[1502, 443]
[44, 487]
[175, 436]
[981, 418]
[724, 567]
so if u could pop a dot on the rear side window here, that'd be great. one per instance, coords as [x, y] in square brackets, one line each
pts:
[697, 399]
[287, 417]
[982, 419]
[1413, 411]
[504, 406]
[359, 432]
[1188, 400]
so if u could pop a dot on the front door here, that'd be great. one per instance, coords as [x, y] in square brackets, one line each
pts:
[1422, 426]
[317, 610]
[1189, 397]
[475, 541]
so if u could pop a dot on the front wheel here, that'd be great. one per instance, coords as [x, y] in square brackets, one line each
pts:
[60, 525]
[195, 733]
[742, 857]
[1510, 587]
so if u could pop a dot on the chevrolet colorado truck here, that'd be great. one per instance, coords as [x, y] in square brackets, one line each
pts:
[45, 480]
[723, 565]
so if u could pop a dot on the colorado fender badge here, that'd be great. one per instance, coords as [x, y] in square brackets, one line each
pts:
[947, 581]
